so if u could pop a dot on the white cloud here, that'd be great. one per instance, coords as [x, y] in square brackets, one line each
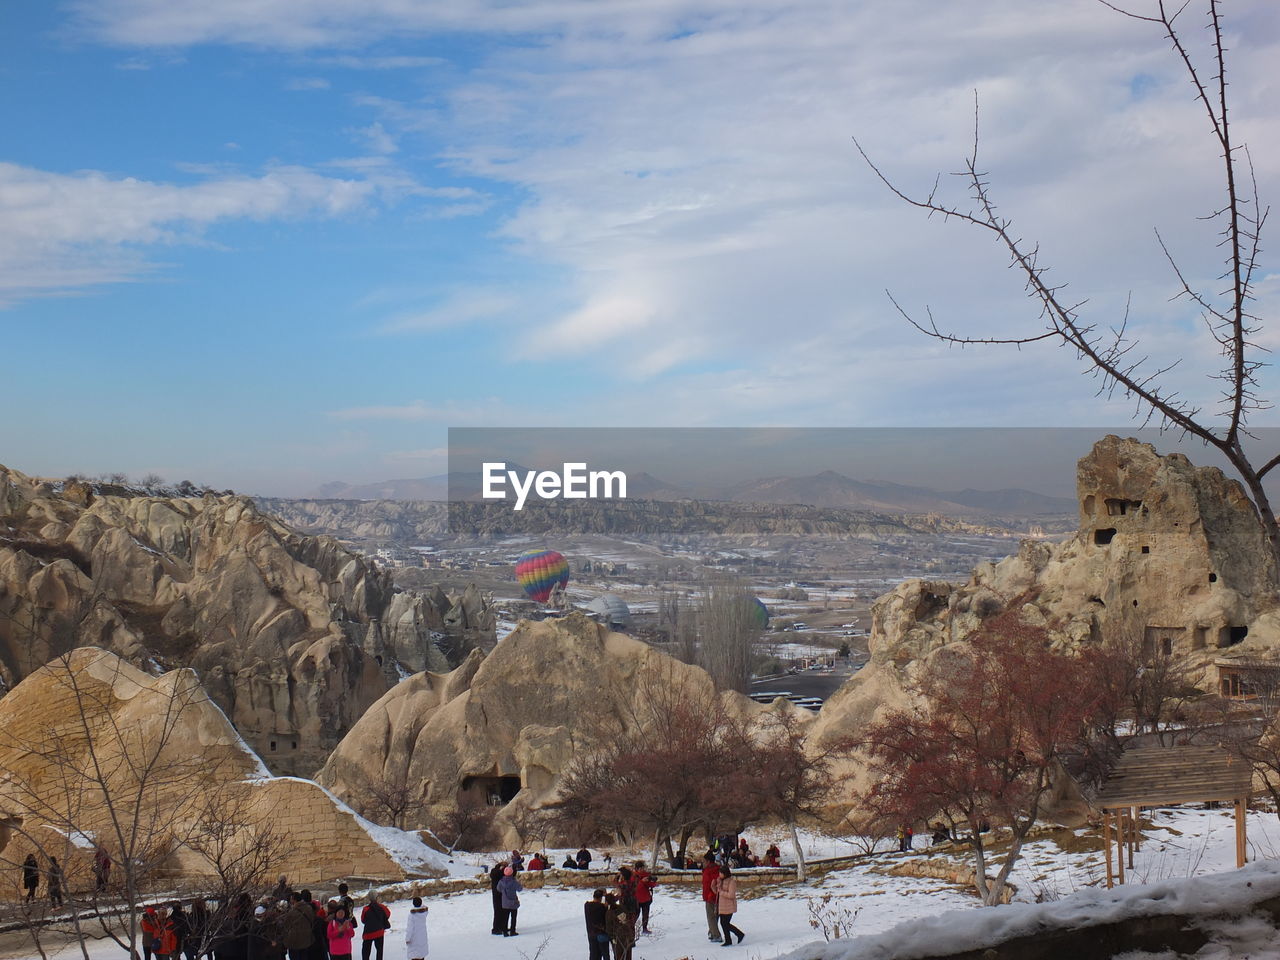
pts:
[377, 139]
[306, 83]
[353, 62]
[687, 164]
[458, 310]
[64, 231]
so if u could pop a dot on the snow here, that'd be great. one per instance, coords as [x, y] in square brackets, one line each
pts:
[899, 917]
[79, 839]
[1232, 892]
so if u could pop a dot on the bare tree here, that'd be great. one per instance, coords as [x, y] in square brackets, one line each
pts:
[729, 624]
[90, 772]
[388, 797]
[469, 825]
[1112, 355]
[790, 781]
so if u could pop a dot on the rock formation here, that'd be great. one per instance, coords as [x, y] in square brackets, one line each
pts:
[1170, 555]
[509, 723]
[294, 636]
[96, 750]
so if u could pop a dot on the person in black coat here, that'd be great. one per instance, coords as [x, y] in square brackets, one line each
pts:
[597, 915]
[499, 915]
[31, 875]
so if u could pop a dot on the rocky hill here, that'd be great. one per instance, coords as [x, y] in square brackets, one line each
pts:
[98, 752]
[509, 721]
[293, 635]
[1168, 555]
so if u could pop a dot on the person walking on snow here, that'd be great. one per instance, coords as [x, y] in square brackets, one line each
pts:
[415, 932]
[726, 890]
[710, 873]
[54, 882]
[31, 875]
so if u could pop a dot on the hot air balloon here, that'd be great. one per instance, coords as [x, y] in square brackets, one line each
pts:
[611, 609]
[761, 612]
[539, 571]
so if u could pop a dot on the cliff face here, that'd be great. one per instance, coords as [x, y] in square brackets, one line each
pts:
[510, 721]
[1168, 554]
[293, 636]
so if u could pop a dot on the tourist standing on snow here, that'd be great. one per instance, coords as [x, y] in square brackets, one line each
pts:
[31, 875]
[710, 873]
[415, 932]
[509, 888]
[584, 859]
[101, 868]
[621, 927]
[375, 918]
[54, 882]
[344, 898]
[340, 932]
[627, 894]
[499, 917]
[296, 927]
[597, 916]
[645, 882]
[726, 891]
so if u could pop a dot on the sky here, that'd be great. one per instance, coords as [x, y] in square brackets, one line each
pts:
[267, 244]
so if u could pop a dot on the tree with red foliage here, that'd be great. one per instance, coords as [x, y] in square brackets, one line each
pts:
[676, 763]
[979, 749]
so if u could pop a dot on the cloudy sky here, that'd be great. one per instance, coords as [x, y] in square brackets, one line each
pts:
[272, 243]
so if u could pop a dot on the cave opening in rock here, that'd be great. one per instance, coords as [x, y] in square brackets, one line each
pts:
[1103, 537]
[1230, 636]
[495, 791]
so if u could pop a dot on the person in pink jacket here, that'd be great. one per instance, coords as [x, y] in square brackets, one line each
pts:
[725, 887]
[340, 931]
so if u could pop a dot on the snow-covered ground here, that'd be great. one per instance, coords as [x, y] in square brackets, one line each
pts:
[1180, 843]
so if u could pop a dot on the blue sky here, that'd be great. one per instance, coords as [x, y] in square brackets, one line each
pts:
[269, 244]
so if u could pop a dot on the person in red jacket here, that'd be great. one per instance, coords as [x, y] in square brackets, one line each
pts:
[375, 919]
[710, 900]
[645, 882]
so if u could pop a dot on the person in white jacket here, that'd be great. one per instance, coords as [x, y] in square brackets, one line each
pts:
[415, 932]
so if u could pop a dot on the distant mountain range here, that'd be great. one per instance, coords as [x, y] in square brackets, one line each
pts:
[826, 489]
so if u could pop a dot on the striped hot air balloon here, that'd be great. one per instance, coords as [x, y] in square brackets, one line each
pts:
[538, 572]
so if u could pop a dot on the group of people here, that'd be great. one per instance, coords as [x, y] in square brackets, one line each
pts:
[720, 896]
[612, 915]
[740, 854]
[55, 880]
[285, 923]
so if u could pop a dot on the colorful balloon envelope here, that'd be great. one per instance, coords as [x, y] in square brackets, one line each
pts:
[761, 612]
[538, 572]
